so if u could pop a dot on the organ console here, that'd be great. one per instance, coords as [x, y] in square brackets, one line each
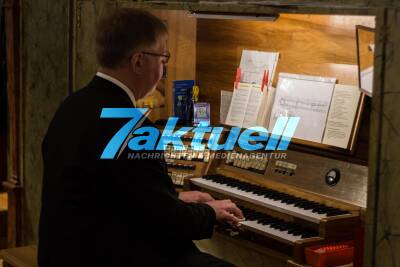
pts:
[292, 200]
[295, 199]
[293, 203]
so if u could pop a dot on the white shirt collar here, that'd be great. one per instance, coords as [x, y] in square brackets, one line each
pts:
[119, 84]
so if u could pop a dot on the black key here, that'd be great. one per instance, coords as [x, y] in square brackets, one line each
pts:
[284, 227]
[301, 201]
[318, 208]
[297, 232]
[286, 198]
[308, 235]
[276, 224]
[258, 192]
[337, 212]
[293, 200]
[308, 206]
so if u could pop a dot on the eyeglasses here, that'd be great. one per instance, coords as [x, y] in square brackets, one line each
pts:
[167, 56]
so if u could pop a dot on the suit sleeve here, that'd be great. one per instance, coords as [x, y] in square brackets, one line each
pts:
[162, 205]
[147, 191]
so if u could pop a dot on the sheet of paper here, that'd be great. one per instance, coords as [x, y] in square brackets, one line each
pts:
[253, 64]
[226, 97]
[341, 115]
[367, 77]
[307, 97]
[266, 107]
[253, 107]
[238, 105]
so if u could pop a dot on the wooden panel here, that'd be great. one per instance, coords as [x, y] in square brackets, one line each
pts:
[21, 256]
[3, 102]
[182, 46]
[3, 220]
[308, 44]
[3, 202]
[3, 158]
[12, 30]
[366, 37]
[310, 175]
[241, 252]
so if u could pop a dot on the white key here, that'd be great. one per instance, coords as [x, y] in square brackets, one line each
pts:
[266, 230]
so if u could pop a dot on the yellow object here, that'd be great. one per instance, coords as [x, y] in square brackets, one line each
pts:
[195, 95]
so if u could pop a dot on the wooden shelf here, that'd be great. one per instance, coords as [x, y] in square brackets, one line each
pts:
[20, 257]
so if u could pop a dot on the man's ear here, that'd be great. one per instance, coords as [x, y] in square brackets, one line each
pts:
[136, 63]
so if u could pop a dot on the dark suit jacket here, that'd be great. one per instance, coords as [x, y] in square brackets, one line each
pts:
[121, 212]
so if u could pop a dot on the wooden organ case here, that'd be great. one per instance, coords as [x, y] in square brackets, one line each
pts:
[310, 194]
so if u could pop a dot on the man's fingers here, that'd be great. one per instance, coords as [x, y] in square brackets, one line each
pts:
[232, 208]
[230, 218]
[226, 210]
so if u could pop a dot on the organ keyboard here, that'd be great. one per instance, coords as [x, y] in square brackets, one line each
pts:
[275, 200]
[288, 202]
[285, 231]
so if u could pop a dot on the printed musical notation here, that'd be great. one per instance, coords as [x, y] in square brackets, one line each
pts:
[303, 104]
[307, 97]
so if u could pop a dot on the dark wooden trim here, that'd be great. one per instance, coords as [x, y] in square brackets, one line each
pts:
[71, 46]
[290, 6]
[13, 183]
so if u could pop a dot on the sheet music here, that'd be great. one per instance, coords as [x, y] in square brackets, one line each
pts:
[253, 64]
[226, 97]
[307, 97]
[238, 105]
[367, 77]
[264, 115]
[253, 107]
[341, 115]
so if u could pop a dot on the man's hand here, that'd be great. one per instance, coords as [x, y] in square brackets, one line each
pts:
[195, 196]
[226, 211]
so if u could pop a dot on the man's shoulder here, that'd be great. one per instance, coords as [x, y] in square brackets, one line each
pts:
[84, 106]
[97, 93]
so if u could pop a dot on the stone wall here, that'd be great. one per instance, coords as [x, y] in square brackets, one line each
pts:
[45, 83]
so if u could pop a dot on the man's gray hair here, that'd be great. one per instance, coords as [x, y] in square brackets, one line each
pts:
[123, 32]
